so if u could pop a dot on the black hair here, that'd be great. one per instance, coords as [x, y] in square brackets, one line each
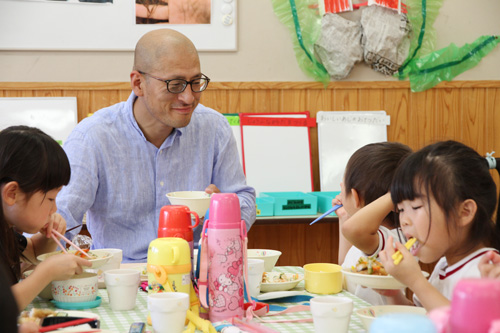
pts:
[451, 173]
[371, 168]
[36, 162]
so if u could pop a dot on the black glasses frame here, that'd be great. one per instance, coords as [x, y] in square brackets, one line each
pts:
[185, 82]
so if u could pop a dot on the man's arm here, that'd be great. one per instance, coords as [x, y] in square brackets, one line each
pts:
[78, 196]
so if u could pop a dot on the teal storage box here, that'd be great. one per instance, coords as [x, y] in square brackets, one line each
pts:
[264, 206]
[293, 203]
[325, 200]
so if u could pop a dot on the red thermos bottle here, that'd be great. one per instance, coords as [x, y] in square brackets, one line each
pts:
[175, 221]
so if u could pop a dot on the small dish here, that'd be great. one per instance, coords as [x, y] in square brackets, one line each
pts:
[102, 255]
[78, 305]
[369, 314]
[375, 281]
[281, 286]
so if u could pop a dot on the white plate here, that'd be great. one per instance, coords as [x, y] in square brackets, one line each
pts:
[281, 286]
[375, 281]
[278, 294]
[81, 314]
[102, 257]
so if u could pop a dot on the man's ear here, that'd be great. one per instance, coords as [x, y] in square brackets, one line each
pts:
[136, 81]
[466, 212]
[357, 200]
[10, 193]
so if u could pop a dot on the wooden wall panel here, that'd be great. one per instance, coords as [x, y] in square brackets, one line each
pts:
[468, 111]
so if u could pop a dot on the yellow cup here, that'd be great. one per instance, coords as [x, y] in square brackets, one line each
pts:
[323, 279]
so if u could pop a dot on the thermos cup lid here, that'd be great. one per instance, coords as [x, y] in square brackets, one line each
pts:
[225, 210]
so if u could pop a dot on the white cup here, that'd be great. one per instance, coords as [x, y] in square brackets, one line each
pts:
[114, 262]
[168, 311]
[255, 271]
[122, 286]
[331, 312]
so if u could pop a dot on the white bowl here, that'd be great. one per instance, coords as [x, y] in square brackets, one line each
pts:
[80, 288]
[375, 281]
[270, 257]
[102, 256]
[197, 201]
[369, 314]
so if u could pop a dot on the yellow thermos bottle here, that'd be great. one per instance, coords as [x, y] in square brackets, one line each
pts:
[169, 265]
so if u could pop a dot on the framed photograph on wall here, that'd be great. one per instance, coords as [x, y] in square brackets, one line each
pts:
[113, 25]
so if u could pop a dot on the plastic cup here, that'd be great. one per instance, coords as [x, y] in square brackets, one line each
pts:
[331, 313]
[255, 271]
[122, 286]
[168, 311]
[474, 305]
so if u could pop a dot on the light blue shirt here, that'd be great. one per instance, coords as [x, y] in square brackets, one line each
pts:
[121, 180]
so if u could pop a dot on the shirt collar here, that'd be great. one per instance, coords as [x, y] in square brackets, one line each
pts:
[177, 132]
[447, 271]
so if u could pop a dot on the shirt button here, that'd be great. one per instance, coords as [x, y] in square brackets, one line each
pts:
[161, 183]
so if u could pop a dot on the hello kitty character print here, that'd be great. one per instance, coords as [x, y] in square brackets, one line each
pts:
[226, 266]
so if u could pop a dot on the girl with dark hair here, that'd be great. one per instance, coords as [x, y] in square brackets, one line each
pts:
[33, 169]
[446, 199]
[367, 178]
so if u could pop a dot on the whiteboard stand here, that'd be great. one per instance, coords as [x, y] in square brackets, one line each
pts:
[276, 151]
[340, 134]
[56, 116]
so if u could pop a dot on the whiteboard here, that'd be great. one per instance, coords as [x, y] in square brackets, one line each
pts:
[56, 116]
[277, 158]
[74, 25]
[340, 134]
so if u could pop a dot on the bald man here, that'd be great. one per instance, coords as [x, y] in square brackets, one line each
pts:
[125, 158]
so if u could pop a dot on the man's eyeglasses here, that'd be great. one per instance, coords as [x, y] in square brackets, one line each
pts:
[176, 86]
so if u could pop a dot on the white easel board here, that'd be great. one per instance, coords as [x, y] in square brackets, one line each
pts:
[234, 122]
[340, 134]
[276, 151]
[56, 116]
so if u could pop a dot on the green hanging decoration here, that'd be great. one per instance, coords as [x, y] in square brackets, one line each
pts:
[448, 62]
[422, 14]
[304, 24]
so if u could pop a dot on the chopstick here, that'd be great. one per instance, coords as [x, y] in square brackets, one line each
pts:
[59, 243]
[66, 324]
[397, 256]
[69, 242]
[331, 210]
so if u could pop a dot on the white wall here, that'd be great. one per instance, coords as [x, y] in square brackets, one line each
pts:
[265, 51]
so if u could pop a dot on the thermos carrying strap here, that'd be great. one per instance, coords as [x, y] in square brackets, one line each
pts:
[203, 278]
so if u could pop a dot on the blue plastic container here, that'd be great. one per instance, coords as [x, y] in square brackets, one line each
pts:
[325, 200]
[264, 206]
[293, 203]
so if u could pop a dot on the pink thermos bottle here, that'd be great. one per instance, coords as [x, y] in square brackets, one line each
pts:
[222, 248]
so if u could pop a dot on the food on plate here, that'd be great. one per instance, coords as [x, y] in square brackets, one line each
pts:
[36, 315]
[369, 265]
[76, 253]
[277, 277]
[81, 255]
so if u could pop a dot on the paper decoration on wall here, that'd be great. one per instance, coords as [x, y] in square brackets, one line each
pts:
[276, 151]
[340, 134]
[304, 22]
